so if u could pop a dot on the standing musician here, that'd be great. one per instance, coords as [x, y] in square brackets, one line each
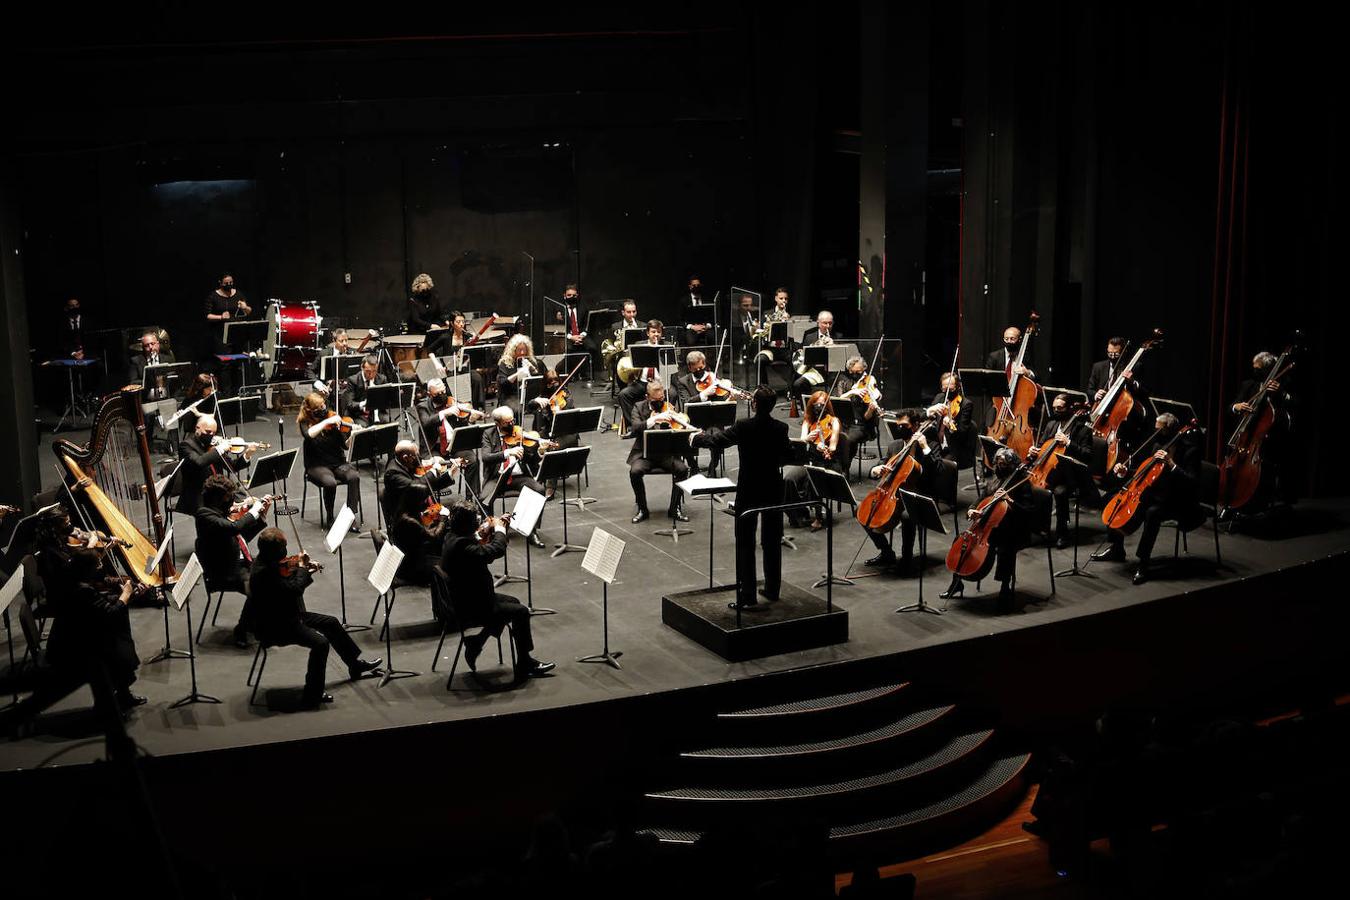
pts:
[1005, 358]
[688, 391]
[405, 472]
[822, 335]
[276, 590]
[74, 324]
[1011, 533]
[655, 412]
[573, 319]
[763, 443]
[744, 327]
[465, 560]
[1068, 479]
[865, 394]
[204, 454]
[958, 431]
[546, 406]
[695, 332]
[773, 352]
[222, 542]
[223, 304]
[516, 364]
[928, 480]
[424, 311]
[1104, 371]
[821, 432]
[359, 383]
[1275, 448]
[420, 542]
[636, 389]
[438, 414]
[325, 437]
[1176, 495]
[510, 456]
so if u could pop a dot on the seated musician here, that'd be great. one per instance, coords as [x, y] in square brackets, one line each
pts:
[927, 480]
[150, 355]
[325, 453]
[956, 411]
[1176, 495]
[420, 543]
[277, 615]
[1276, 447]
[340, 344]
[448, 345]
[865, 395]
[823, 335]
[821, 431]
[438, 410]
[508, 462]
[1068, 479]
[516, 364]
[222, 543]
[424, 309]
[573, 319]
[465, 560]
[400, 475]
[694, 332]
[687, 390]
[202, 391]
[546, 406]
[357, 386]
[1008, 537]
[773, 353]
[1005, 358]
[654, 412]
[636, 390]
[201, 453]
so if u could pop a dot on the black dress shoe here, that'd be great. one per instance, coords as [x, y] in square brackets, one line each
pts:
[473, 646]
[127, 701]
[882, 560]
[747, 607]
[241, 639]
[1061, 541]
[1111, 553]
[534, 668]
[678, 515]
[641, 516]
[766, 596]
[956, 589]
[316, 700]
[1140, 575]
[535, 540]
[363, 667]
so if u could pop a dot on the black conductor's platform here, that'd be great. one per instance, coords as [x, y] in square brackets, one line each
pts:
[796, 621]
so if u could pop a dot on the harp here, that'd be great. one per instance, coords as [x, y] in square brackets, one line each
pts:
[112, 483]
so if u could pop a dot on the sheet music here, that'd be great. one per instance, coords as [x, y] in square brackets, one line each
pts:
[602, 555]
[342, 524]
[163, 484]
[153, 564]
[529, 507]
[702, 484]
[386, 565]
[18, 527]
[187, 580]
[11, 589]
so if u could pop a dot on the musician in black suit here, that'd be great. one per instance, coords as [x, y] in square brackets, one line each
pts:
[222, 543]
[866, 405]
[358, 384]
[70, 333]
[1176, 495]
[1005, 358]
[1275, 448]
[1104, 372]
[688, 391]
[573, 319]
[432, 414]
[1068, 477]
[150, 355]
[421, 543]
[508, 463]
[1008, 537]
[636, 389]
[823, 334]
[201, 457]
[930, 480]
[695, 332]
[959, 438]
[764, 449]
[654, 412]
[278, 616]
[465, 561]
[400, 475]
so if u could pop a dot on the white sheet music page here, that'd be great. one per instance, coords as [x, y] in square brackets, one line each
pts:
[152, 564]
[342, 524]
[187, 580]
[386, 565]
[11, 589]
[702, 484]
[163, 484]
[529, 507]
[603, 555]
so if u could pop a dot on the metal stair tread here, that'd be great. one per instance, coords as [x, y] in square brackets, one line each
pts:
[911, 721]
[814, 704]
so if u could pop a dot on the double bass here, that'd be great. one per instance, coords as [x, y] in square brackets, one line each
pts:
[1012, 422]
[1122, 511]
[1110, 413]
[1240, 469]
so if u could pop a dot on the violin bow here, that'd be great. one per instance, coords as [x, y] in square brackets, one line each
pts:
[562, 384]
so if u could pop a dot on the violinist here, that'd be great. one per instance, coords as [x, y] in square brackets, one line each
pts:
[1011, 533]
[954, 409]
[865, 395]
[516, 364]
[688, 391]
[359, 383]
[932, 472]
[821, 432]
[509, 455]
[823, 335]
[465, 559]
[203, 454]
[440, 410]
[1276, 445]
[1176, 494]
[222, 543]
[773, 352]
[420, 542]
[325, 437]
[406, 472]
[636, 390]
[1005, 358]
[654, 412]
[276, 592]
[1068, 479]
[547, 404]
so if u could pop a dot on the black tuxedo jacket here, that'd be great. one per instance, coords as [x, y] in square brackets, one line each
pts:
[465, 562]
[217, 545]
[764, 449]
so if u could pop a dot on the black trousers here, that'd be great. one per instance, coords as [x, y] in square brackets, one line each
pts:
[317, 632]
[639, 468]
[1064, 482]
[771, 545]
[1151, 523]
[327, 478]
[235, 579]
[772, 357]
[507, 610]
[908, 529]
[633, 393]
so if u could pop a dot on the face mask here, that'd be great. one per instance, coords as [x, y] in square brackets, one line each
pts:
[904, 432]
[818, 410]
[227, 288]
[1060, 413]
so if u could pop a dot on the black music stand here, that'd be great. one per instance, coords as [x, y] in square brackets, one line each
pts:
[1074, 570]
[923, 512]
[705, 414]
[268, 470]
[333, 370]
[1075, 396]
[831, 487]
[660, 357]
[194, 696]
[14, 589]
[174, 374]
[668, 443]
[394, 395]
[369, 443]
[563, 464]
[168, 651]
[527, 390]
[468, 439]
[710, 487]
[236, 411]
[576, 421]
[483, 356]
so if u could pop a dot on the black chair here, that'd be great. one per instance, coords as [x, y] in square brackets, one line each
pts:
[304, 497]
[263, 648]
[1209, 503]
[220, 592]
[442, 601]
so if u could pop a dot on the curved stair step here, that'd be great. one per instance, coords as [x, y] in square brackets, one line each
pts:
[897, 730]
[814, 706]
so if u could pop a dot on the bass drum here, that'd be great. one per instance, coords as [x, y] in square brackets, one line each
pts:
[293, 340]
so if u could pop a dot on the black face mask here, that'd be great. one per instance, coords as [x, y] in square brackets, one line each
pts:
[227, 288]
[1011, 345]
[698, 373]
[1060, 414]
[818, 410]
[904, 432]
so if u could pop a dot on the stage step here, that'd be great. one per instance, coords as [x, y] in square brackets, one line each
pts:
[815, 706]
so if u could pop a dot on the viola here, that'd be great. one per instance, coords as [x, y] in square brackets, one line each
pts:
[1114, 409]
[865, 389]
[878, 509]
[1012, 423]
[969, 556]
[1240, 469]
[721, 388]
[433, 512]
[1122, 511]
[289, 565]
[485, 528]
[527, 439]
[669, 418]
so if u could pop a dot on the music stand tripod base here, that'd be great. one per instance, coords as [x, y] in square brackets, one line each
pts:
[390, 673]
[610, 657]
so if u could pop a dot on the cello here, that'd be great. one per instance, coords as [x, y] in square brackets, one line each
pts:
[969, 556]
[1114, 409]
[1048, 453]
[1012, 423]
[878, 508]
[1122, 511]
[1240, 470]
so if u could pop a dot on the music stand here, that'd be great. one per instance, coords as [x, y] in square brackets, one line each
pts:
[333, 541]
[1077, 509]
[706, 414]
[191, 574]
[563, 464]
[367, 444]
[649, 356]
[237, 411]
[923, 512]
[335, 369]
[575, 421]
[602, 560]
[1179, 408]
[698, 485]
[381, 578]
[172, 373]
[483, 356]
[633, 336]
[393, 395]
[524, 520]
[468, 439]
[830, 486]
[528, 389]
[662, 444]
[12, 588]
[269, 470]
[1075, 396]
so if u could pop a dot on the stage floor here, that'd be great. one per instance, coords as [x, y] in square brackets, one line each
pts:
[655, 658]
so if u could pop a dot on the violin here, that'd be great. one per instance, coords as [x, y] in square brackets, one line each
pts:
[239, 445]
[1117, 403]
[486, 527]
[239, 510]
[821, 434]
[428, 467]
[344, 425]
[722, 388]
[527, 439]
[1122, 511]
[289, 565]
[433, 512]
[969, 556]
[78, 537]
[669, 418]
[1012, 424]
[878, 509]
[1240, 469]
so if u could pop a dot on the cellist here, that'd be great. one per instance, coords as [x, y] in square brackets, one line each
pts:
[1176, 495]
[932, 469]
[1066, 480]
[1011, 533]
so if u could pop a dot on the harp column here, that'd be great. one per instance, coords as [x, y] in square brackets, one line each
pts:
[18, 437]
